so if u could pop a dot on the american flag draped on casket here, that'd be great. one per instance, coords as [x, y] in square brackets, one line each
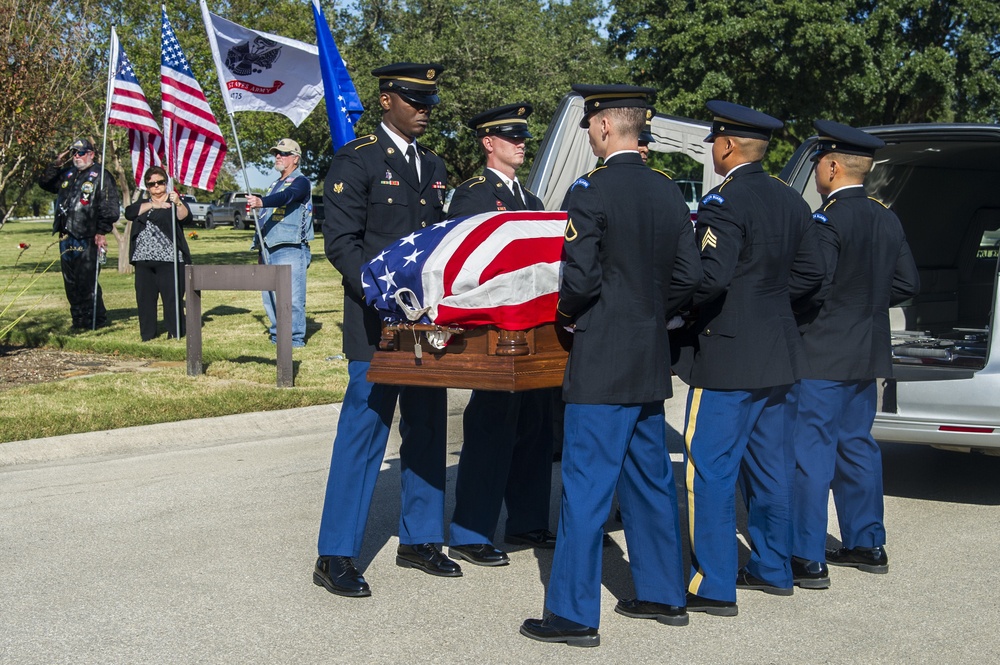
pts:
[499, 268]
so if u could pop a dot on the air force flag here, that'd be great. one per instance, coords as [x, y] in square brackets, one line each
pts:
[499, 268]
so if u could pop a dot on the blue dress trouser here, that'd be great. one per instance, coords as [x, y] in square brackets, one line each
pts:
[358, 449]
[745, 436]
[607, 446]
[506, 455]
[834, 449]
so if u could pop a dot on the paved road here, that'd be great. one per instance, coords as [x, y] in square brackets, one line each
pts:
[194, 543]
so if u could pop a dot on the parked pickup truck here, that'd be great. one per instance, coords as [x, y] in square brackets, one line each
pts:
[199, 211]
[230, 209]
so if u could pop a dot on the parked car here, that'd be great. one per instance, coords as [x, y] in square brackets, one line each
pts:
[946, 360]
[199, 211]
[232, 209]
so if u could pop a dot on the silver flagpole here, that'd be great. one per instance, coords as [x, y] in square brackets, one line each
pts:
[112, 59]
[177, 299]
[246, 182]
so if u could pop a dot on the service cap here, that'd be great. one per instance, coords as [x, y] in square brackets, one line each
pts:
[510, 120]
[599, 97]
[729, 119]
[413, 82]
[838, 137]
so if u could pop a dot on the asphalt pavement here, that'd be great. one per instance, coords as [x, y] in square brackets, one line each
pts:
[194, 542]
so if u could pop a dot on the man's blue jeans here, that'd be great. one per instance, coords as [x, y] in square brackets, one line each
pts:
[299, 257]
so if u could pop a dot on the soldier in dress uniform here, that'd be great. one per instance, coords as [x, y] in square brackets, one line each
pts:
[380, 188]
[507, 449]
[630, 263]
[759, 252]
[869, 269]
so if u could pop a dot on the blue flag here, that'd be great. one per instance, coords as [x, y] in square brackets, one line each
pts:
[343, 106]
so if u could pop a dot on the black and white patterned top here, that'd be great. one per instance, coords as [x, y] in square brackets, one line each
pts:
[153, 245]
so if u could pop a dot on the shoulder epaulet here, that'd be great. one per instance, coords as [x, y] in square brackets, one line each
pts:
[725, 182]
[363, 141]
[872, 198]
[780, 180]
[473, 181]
[828, 204]
[426, 149]
[595, 171]
[525, 189]
[666, 175]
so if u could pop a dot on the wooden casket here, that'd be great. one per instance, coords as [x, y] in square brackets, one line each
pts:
[484, 358]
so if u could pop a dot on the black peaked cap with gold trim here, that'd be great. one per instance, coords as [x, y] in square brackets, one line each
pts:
[510, 120]
[599, 97]
[729, 119]
[837, 137]
[413, 82]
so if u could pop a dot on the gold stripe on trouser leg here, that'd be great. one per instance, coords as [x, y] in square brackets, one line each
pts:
[689, 478]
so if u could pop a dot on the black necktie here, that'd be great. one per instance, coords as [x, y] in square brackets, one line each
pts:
[411, 158]
[519, 201]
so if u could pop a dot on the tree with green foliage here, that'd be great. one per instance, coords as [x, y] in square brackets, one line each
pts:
[857, 61]
[44, 54]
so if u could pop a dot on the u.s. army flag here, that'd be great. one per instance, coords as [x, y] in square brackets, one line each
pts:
[259, 71]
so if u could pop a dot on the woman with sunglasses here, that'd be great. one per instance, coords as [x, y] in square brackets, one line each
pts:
[152, 241]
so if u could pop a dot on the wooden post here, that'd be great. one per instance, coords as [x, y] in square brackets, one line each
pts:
[277, 278]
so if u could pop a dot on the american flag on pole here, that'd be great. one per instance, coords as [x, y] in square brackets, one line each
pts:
[195, 147]
[127, 107]
[499, 268]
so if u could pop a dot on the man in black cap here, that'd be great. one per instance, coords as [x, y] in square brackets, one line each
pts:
[630, 263]
[507, 448]
[759, 253]
[87, 207]
[869, 269]
[380, 188]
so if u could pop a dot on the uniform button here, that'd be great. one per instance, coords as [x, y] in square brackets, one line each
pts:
[390, 200]
[708, 331]
[423, 224]
[423, 202]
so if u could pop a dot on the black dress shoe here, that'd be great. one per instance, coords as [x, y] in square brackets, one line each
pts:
[868, 559]
[338, 575]
[540, 538]
[671, 615]
[744, 580]
[719, 608]
[428, 558]
[557, 629]
[810, 574]
[482, 554]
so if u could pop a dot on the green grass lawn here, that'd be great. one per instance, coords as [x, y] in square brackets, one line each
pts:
[240, 365]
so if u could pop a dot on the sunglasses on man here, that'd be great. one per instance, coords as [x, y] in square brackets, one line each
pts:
[279, 153]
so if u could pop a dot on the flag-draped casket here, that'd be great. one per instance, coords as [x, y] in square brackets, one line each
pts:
[470, 303]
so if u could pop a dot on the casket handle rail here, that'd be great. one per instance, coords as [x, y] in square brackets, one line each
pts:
[389, 340]
[501, 342]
